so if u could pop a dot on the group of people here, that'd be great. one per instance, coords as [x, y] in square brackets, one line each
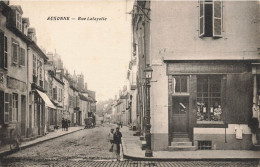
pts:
[65, 124]
[115, 138]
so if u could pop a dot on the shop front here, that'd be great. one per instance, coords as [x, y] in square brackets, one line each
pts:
[211, 103]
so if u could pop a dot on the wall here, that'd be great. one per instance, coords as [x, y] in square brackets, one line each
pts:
[159, 107]
[178, 37]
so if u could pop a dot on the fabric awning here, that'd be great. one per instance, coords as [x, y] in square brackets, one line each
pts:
[46, 99]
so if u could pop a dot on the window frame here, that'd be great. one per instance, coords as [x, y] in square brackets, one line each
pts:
[18, 20]
[181, 93]
[16, 44]
[202, 19]
[5, 52]
[209, 98]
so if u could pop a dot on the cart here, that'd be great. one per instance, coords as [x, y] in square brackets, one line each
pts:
[88, 123]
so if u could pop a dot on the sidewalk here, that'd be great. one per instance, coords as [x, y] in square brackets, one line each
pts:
[5, 150]
[132, 150]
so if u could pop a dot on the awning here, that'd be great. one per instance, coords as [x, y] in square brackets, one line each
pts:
[46, 99]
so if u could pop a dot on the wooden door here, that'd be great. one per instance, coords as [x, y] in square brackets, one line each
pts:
[180, 110]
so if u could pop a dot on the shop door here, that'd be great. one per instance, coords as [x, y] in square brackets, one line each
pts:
[180, 109]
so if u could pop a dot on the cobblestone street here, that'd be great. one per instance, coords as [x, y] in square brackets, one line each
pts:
[89, 147]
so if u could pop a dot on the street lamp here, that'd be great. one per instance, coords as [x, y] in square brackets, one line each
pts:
[148, 76]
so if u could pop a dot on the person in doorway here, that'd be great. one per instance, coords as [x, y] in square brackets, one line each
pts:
[117, 142]
[111, 139]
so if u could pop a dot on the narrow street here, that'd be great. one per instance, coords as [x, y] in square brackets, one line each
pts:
[89, 147]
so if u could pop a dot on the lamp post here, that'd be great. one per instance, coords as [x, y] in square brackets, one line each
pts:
[148, 76]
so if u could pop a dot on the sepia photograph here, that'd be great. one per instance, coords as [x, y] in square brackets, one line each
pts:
[130, 83]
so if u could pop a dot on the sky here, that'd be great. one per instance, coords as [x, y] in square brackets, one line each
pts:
[100, 50]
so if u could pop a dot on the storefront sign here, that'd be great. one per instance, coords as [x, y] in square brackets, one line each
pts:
[13, 83]
[205, 67]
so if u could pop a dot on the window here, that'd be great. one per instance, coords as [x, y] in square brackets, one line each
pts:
[180, 104]
[15, 107]
[18, 21]
[6, 108]
[55, 93]
[3, 51]
[209, 98]
[22, 57]
[204, 145]
[210, 18]
[15, 50]
[180, 84]
[34, 66]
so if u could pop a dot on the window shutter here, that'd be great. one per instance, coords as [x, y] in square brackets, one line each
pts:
[202, 18]
[217, 18]
[10, 107]
[6, 108]
[2, 49]
[5, 53]
[22, 57]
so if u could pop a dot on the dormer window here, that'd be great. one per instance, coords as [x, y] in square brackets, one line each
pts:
[18, 21]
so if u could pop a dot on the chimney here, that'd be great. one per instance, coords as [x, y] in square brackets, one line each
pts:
[32, 34]
[86, 86]
[26, 24]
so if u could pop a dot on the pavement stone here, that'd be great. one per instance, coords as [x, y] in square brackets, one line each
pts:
[132, 150]
[5, 150]
[127, 163]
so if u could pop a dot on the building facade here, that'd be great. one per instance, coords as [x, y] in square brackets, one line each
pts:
[205, 71]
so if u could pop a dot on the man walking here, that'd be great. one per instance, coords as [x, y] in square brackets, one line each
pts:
[117, 142]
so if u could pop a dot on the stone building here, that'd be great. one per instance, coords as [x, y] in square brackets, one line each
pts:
[204, 64]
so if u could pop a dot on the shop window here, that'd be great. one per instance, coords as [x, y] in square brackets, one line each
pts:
[180, 84]
[209, 98]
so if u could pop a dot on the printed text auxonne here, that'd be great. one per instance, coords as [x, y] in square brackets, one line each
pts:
[54, 18]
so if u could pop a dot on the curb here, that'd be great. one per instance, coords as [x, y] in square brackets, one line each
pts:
[136, 158]
[8, 152]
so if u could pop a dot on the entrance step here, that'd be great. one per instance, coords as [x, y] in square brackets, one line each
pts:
[181, 139]
[181, 148]
[180, 135]
[181, 143]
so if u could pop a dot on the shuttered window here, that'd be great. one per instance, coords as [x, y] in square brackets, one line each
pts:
[210, 18]
[6, 108]
[15, 107]
[15, 52]
[217, 18]
[10, 107]
[3, 51]
[22, 57]
[202, 18]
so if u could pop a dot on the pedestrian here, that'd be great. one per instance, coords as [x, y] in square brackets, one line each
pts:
[63, 124]
[121, 124]
[110, 139]
[117, 141]
[66, 125]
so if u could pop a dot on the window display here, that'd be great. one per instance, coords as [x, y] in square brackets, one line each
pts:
[209, 98]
